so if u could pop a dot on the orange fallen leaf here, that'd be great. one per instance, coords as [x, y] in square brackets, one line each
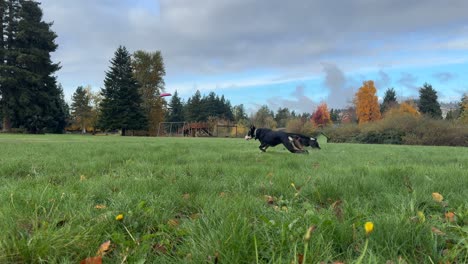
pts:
[450, 216]
[92, 260]
[100, 206]
[103, 248]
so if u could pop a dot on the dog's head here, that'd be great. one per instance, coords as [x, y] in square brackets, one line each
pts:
[313, 143]
[309, 142]
[250, 133]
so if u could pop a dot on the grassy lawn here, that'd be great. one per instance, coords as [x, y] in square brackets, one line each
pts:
[202, 200]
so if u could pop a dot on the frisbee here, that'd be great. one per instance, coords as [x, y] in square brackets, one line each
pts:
[165, 94]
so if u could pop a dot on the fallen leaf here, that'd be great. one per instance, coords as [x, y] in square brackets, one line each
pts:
[104, 248]
[100, 206]
[222, 194]
[92, 260]
[300, 258]
[160, 248]
[450, 216]
[437, 197]
[173, 222]
[186, 196]
[338, 210]
[437, 231]
[269, 199]
[82, 178]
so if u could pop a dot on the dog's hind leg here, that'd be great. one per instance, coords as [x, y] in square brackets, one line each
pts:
[293, 149]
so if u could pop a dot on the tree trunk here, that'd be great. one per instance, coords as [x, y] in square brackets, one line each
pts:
[123, 131]
[6, 119]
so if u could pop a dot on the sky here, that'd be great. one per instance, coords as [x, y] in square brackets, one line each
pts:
[293, 54]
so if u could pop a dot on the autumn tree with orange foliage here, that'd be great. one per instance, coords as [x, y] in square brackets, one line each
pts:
[404, 108]
[321, 116]
[367, 105]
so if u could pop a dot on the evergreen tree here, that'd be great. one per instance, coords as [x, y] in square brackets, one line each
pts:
[176, 109]
[81, 108]
[282, 116]
[121, 103]
[463, 110]
[8, 68]
[31, 97]
[428, 103]
[194, 108]
[389, 100]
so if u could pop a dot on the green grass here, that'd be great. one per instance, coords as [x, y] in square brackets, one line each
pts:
[195, 200]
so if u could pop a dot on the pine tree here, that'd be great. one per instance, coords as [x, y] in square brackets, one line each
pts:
[464, 109]
[194, 108]
[31, 97]
[121, 103]
[81, 108]
[239, 113]
[389, 100]
[176, 109]
[428, 103]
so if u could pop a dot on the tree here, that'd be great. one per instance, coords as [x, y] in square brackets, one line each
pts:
[149, 71]
[81, 108]
[38, 105]
[8, 70]
[367, 105]
[404, 108]
[428, 103]
[121, 103]
[282, 116]
[389, 100]
[194, 109]
[264, 118]
[464, 109]
[239, 113]
[176, 109]
[321, 116]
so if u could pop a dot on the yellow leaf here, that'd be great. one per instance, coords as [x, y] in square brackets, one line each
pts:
[100, 206]
[369, 227]
[82, 178]
[104, 248]
[421, 217]
[120, 217]
[173, 222]
[437, 197]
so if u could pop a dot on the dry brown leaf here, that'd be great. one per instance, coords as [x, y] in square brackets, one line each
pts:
[100, 206]
[104, 248]
[160, 248]
[92, 260]
[300, 258]
[222, 194]
[186, 196]
[437, 231]
[269, 199]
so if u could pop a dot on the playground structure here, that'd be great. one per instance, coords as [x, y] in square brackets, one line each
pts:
[195, 129]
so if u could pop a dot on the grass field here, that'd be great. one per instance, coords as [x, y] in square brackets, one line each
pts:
[204, 200]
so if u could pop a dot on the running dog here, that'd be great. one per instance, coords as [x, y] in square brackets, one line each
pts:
[293, 142]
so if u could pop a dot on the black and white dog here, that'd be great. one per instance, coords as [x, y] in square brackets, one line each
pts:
[293, 142]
